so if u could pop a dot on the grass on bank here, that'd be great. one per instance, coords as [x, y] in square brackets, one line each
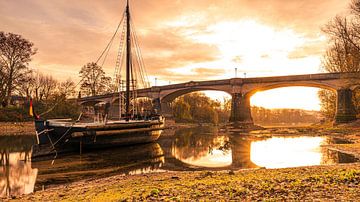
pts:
[340, 182]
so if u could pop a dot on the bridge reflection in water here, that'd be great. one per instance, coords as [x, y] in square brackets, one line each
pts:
[201, 148]
[198, 149]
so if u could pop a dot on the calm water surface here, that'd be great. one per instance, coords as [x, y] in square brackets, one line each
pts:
[184, 149]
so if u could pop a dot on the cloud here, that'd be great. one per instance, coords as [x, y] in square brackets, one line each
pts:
[70, 33]
[168, 48]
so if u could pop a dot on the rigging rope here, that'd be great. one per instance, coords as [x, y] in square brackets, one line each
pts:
[111, 40]
[140, 60]
[106, 50]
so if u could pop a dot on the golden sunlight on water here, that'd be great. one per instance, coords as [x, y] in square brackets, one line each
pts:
[17, 175]
[215, 159]
[204, 155]
[279, 152]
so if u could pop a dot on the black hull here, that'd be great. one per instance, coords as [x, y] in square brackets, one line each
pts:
[53, 140]
[117, 139]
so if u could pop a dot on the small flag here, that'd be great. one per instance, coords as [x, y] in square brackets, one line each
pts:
[31, 112]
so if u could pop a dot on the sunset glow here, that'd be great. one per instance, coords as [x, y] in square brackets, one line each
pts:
[184, 40]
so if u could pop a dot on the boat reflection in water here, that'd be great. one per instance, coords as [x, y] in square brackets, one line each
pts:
[206, 148]
[21, 176]
[16, 175]
[185, 149]
[136, 159]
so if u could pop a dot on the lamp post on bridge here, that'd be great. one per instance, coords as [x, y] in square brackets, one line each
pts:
[235, 72]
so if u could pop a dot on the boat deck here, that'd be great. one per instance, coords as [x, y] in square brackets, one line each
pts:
[70, 123]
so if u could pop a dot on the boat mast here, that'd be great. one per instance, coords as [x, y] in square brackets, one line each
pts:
[128, 62]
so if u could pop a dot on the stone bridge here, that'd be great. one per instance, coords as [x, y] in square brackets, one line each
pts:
[241, 90]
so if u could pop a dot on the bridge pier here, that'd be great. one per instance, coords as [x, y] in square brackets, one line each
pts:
[156, 106]
[345, 109]
[240, 151]
[162, 108]
[166, 110]
[240, 109]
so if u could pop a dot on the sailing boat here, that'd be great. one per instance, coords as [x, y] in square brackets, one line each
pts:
[57, 135]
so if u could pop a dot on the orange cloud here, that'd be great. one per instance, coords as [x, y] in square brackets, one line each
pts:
[70, 33]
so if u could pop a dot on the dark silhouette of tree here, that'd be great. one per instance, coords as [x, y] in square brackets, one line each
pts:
[94, 80]
[67, 88]
[15, 55]
[343, 54]
[2, 83]
[26, 87]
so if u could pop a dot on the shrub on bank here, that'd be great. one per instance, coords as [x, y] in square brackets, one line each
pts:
[55, 108]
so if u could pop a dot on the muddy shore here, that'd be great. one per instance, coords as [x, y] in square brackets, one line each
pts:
[17, 128]
[325, 183]
[334, 182]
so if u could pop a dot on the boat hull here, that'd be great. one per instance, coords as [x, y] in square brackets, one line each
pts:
[61, 136]
[117, 138]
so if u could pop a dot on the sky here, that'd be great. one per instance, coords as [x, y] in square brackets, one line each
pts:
[184, 40]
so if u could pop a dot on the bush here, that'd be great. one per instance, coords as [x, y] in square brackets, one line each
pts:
[55, 108]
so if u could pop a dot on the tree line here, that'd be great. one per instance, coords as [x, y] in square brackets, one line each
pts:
[198, 108]
[283, 116]
[48, 93]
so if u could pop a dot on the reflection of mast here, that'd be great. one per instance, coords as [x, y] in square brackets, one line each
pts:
[128, 62]
[18, 177]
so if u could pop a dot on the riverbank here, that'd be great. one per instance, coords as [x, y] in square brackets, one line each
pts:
[17, 128]
[338, 182]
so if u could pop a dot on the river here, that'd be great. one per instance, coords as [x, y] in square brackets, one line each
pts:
[189, 149]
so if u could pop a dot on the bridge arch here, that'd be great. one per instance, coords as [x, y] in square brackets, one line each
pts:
[241, 106]
[91, 103]
[264, 87]
[173, 95]
[167, 98]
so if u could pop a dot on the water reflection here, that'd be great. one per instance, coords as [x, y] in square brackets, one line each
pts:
[17, 176]
[280, 152]
[205, 151]
[101, 163]
[207, 148]
[21, 176]
[202, 148]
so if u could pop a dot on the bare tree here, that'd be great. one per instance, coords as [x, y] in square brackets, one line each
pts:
[2, 83]
[15, 54]
[343, 54]
[26, 86]
[67, 88]
[94, 81]
[47, 86]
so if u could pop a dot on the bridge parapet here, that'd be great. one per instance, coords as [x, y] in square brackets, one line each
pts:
[242, 89]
